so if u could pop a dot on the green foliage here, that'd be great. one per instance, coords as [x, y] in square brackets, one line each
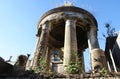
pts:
[37, 69]
[103, 71]
[42, 63]
[42, 66]
[74, 68]
[74, 56]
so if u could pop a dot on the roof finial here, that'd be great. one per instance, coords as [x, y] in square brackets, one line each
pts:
[68, 3]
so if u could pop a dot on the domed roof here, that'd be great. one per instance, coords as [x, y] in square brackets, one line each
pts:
[57, 18]
[90, 17]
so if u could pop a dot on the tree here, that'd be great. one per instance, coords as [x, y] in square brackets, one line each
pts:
[110, 31]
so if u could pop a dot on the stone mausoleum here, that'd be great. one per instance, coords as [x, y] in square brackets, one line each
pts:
[69, 29]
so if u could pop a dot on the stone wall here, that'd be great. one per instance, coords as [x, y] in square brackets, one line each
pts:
[58, 78]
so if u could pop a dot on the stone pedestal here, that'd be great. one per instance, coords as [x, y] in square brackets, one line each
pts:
[96, 59]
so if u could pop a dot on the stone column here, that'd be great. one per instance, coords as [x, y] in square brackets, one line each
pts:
[42, 46]
[36, 47]
[70, 42]
[95, 51]
[83, 65]
[48, 59]
[92, 38]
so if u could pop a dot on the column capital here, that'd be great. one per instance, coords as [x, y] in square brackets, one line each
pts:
[93, 27]
[70, 18]
[45, 25]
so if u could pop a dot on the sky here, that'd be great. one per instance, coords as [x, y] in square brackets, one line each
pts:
[19, 19]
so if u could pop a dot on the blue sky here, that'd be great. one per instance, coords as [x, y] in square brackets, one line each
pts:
[19, 18]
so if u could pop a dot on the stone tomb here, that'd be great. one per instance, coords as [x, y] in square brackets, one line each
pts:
[71, 28]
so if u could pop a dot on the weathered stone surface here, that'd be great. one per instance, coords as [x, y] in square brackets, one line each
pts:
[42, 45]
[20, 65]
[69, 27]
[96, 59]
[70, 44]
[92, 38]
